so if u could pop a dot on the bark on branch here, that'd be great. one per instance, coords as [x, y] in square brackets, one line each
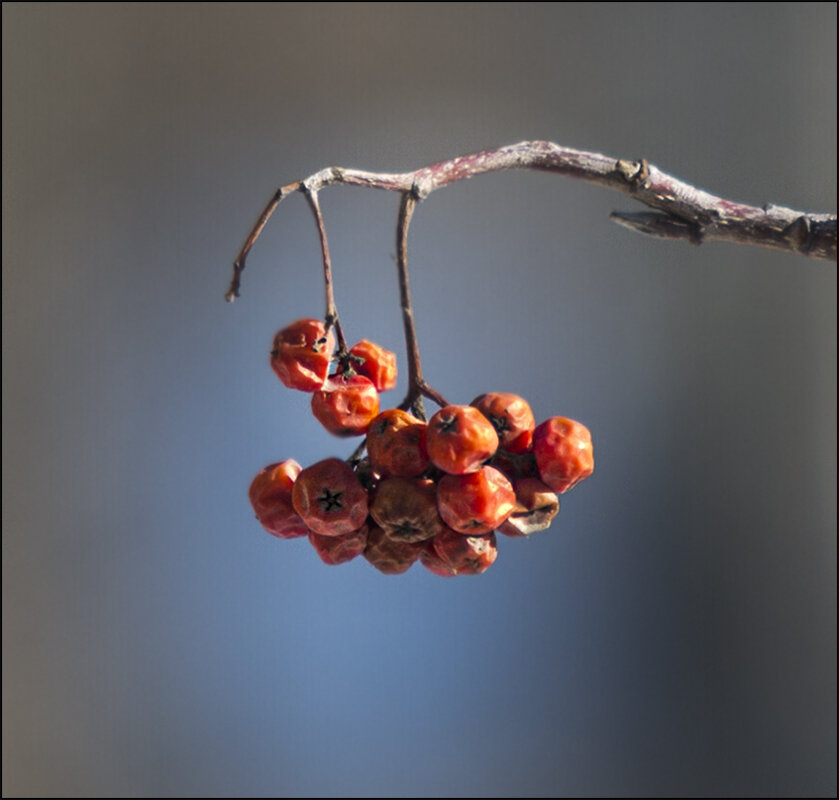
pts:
[681, 211]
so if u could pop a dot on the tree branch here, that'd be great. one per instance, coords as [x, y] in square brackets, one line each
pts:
[681, 211]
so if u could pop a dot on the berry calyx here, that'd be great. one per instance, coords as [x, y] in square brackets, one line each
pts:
[346, 404]
[270, 496]
[329, 498]
[564, 452]
[301, 354]
[460, 439]
[475, 503]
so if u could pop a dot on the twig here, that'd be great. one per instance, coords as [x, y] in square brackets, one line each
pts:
[331, 318]
[417, 387]
[684, 212]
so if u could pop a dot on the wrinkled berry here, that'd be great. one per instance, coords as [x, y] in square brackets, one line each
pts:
[301, 354]
[564, 453]
[406, 509]
[460, 439]
[475, 503]
[329, 498]
[396, 444]
[270, 495]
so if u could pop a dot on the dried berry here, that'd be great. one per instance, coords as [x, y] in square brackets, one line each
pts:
[301, 354]
[329, 498]
[406, 509]
[466, 555]
[536, 506]
[375, 363]
[270, 496]
[475, 503]
[396, 444]
[346, 404]
[511, 417]
[460, 439]
[564, 452]
[340, 549]
[433, 563]
[389, 556]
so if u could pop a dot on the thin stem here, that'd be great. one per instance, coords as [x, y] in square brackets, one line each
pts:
[331, 309]
[239, 264]
[417, 387]
[356, 454]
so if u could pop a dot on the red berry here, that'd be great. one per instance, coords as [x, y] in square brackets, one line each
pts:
[433, 563]
[302, 353]
[460, 439]
[340, 549]
[375, 363]
[564, 452]
[329, 498]
[511, 417]
[346, 405]
[475, 503]
[270, 496]
[536, 506]
[389, 556]
[396, 444]
[466, 555]
[406, 509]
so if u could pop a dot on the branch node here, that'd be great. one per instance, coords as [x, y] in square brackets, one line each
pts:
[634, 173]
[421, 187]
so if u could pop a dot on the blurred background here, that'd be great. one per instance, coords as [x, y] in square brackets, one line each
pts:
[674, 633]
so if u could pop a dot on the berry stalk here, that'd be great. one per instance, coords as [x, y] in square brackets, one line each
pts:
[331, 318]
[417, 387]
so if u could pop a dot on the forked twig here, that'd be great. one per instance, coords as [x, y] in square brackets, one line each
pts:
[681, 211]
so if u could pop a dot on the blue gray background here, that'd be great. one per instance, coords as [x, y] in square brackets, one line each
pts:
[675, 633]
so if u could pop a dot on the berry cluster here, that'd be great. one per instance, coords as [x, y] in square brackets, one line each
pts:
[434, 492]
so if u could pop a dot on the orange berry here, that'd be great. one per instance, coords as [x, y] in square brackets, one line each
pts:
[329, 498]
[564, 452]
[460, 439]
[466, 555]
[389, 556]
[396, 444]
[301, 354]
[511, 417]
[475, 503]
[270, 495]
[376, 363]
[406, 509]
[346, 404]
